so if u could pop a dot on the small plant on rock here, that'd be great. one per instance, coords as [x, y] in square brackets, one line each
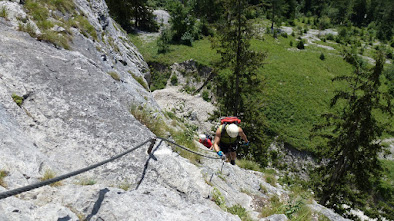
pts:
[114, 75]
[18, 99]
[4, 12]
[3, 174]
[240, 212]
[49, 174]
[218, 198]
[174, 80]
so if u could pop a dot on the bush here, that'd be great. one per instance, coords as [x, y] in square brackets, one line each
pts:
[159, 80]
[187, 39]
[205, 95]
[322, 56]
[300, 45]
[174, 80]
[163, 43]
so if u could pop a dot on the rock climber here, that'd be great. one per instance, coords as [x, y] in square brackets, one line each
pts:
[226, 141]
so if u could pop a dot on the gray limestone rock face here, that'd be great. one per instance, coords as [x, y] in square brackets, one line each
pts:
[60, 111]
[74, 114]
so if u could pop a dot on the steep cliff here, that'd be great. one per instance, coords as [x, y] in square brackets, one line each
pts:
[65, 109]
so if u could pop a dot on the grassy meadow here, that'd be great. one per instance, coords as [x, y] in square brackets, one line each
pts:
[298, 83]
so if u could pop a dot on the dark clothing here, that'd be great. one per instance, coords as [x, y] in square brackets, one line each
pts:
[226, 148]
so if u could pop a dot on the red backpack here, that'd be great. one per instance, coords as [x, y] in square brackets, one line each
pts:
[230, 120]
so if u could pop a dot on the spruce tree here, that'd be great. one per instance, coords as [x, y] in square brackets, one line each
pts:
[239, 86]
[353, 168]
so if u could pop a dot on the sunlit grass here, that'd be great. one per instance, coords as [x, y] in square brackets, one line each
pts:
[201, 51]
[49, 174]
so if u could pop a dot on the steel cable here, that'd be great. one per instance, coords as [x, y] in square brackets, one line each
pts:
[13, 192]
[172, 142]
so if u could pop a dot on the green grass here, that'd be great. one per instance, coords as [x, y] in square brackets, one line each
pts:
[114, 75]
[388, 179]
[84, 26]
[298, 87]
[298, 84]
[4, 12]
[49, 174]
[295, 208]
[159, 127]
[140, 80]
[86, 181]
[240, 212]
[200, 52]
[249, 165]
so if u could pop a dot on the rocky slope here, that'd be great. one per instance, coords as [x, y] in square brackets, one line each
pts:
[73, 114]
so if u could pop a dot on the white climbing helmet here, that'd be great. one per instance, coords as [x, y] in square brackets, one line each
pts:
[202, 136]
[232, 130]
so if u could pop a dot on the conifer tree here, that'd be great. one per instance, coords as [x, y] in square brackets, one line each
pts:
[238, 83]
[352, 134]
[124, 11]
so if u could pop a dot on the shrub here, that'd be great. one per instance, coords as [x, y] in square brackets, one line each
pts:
[174, 80]
[159, 80]
[330, 37]
[114, 75]
[284, 34]
[300, 45]
[322, 56]
[291, 43]
[187, 39]
[17, 99]
[163, 43]
[205, 95]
